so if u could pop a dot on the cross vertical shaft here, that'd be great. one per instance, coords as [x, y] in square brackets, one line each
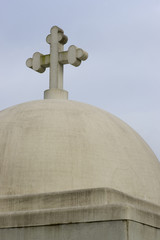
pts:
[56, 69]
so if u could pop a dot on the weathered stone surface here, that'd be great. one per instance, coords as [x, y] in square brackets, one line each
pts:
[115, 230]
[110, 230]
[76, 206]
[138, 231]
[59, 145]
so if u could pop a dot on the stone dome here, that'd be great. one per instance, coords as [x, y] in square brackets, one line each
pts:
[58, 145]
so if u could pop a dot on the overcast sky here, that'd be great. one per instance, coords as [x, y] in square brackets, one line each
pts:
[122, 73]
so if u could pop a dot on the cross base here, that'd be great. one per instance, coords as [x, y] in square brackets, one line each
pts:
[55, 93]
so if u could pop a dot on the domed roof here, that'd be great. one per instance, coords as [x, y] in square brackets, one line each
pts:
[56, 145]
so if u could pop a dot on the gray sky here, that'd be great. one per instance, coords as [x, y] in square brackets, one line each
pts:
[122, 73]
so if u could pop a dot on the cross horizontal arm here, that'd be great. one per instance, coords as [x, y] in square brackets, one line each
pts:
[73, 56]
[38, 62]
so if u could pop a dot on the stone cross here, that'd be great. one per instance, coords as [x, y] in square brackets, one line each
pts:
[55, 60]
